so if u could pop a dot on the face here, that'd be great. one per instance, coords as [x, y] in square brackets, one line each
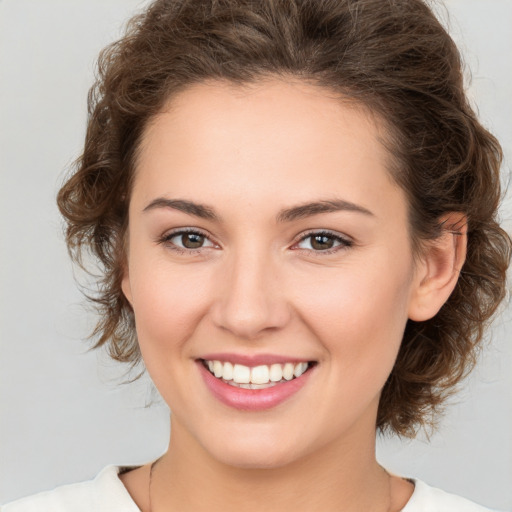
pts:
[264, 229]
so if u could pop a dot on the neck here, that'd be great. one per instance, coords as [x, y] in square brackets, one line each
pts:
[343, 475]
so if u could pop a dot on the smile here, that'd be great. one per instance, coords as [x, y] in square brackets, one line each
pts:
[256, 377]
[254, 386]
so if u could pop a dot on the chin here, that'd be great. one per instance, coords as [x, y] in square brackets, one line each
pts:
[253, 452]
[256, 460]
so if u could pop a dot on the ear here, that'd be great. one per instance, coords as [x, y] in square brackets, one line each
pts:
[438, 270]
[125, 283]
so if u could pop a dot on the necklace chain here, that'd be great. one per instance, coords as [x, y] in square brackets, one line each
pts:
[158, 460]
[150, 480]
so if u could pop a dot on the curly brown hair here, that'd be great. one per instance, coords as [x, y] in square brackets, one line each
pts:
[395, 58]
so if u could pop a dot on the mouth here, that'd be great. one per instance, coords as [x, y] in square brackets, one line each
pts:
[263, 376]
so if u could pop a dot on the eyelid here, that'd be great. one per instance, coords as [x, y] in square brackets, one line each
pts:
[345, 241]
[168, 235]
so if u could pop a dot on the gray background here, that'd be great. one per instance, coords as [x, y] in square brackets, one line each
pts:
[63, 414]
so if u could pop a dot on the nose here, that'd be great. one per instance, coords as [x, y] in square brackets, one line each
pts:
[251, 298]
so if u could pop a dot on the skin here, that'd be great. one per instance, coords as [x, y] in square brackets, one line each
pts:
[259, 286]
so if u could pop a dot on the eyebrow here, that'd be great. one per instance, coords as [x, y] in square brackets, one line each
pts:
[287, 215]
[323, 206]
[198, 210]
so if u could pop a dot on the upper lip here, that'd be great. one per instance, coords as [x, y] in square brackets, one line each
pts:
[252, 359]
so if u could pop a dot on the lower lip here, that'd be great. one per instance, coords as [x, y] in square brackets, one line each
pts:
[252, 399]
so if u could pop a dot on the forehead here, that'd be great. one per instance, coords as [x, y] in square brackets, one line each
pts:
[269, 140]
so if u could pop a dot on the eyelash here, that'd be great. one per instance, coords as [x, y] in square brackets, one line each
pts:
[344, 243]
[166, 240]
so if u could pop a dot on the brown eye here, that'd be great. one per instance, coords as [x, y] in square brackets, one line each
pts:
[192, 240]
[322, 242]
[188, 240]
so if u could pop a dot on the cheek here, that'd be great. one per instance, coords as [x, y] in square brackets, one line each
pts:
[359, 314]
[168, 303]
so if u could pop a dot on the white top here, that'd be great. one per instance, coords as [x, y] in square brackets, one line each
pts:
[106, 493]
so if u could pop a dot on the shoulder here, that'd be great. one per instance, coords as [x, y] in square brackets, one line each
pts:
[430, 499]
[104, 493]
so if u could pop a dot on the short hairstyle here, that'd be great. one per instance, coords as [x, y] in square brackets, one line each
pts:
[392, 57]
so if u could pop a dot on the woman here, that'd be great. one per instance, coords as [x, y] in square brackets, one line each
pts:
[295, 210]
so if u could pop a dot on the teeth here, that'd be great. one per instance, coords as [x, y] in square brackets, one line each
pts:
[241, 374]
[227, 371]
[276, 372]
[252, 386]
[217, 369]
[260, 375]
[299, 369]
[288, 371]
[257, 377]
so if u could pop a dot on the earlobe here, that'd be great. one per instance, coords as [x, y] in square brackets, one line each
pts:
[124, 266]
[125, 286]
[438, 271]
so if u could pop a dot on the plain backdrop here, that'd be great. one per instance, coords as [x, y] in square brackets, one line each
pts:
[63, 413]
